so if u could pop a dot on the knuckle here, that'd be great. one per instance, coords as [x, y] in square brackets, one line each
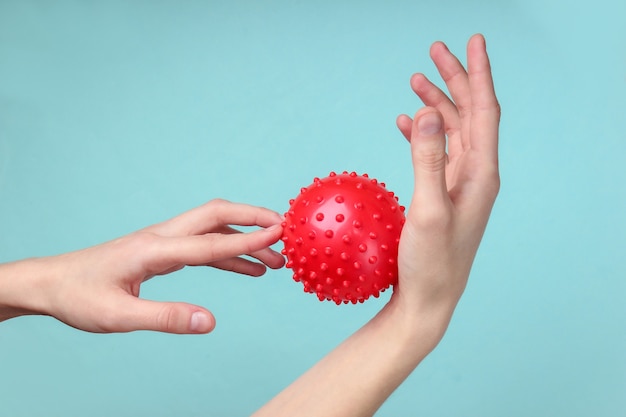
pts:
[141, 245]
[495, 183]
[491, 181]
[218, 202]
[168, 319]
[432, 160]
[464, 110]
[248, 243]
[109, 321]
[211, 245]
[219, 208]
[434, 219]
[497, 108]
[492, 108]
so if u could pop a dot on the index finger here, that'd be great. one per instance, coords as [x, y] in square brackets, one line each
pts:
[485, 109]
[215, 214]
[204, 249]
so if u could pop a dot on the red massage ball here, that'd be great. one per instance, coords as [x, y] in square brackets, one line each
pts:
[341, 237]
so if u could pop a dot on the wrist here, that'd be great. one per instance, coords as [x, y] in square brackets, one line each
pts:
[421, 324]
[24, 287]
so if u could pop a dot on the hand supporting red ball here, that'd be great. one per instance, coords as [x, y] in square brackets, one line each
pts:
[341, 237]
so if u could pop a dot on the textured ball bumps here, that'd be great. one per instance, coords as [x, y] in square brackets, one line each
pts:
[341, 237]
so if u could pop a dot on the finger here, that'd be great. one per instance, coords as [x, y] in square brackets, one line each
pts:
[171, 270]
[405, 124]
[428, 150]
[432, 96]
[215, 213]
[485, 107]
[167, 317]
[204, 249]
[456, 79]
[240, 266]
[268, 256]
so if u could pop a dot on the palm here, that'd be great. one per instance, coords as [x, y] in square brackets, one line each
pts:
[460, 172]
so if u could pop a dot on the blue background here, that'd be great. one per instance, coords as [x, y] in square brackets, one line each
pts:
[116, 115]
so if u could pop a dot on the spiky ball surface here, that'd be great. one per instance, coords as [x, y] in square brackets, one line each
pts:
[341, 237]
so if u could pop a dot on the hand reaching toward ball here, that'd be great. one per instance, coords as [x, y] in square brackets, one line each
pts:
[97, 289]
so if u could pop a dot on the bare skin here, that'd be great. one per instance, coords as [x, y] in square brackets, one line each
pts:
[97, 289]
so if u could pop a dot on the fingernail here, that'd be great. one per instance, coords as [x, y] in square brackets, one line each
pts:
[200, 322]
[429, 124]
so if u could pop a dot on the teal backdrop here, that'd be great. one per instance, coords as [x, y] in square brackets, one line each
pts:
[115, 115]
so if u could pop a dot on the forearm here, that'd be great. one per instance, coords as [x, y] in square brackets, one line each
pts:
[22, 287]
[359, 375]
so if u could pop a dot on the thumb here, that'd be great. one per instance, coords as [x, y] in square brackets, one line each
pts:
[428, 150]
[167, 317]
